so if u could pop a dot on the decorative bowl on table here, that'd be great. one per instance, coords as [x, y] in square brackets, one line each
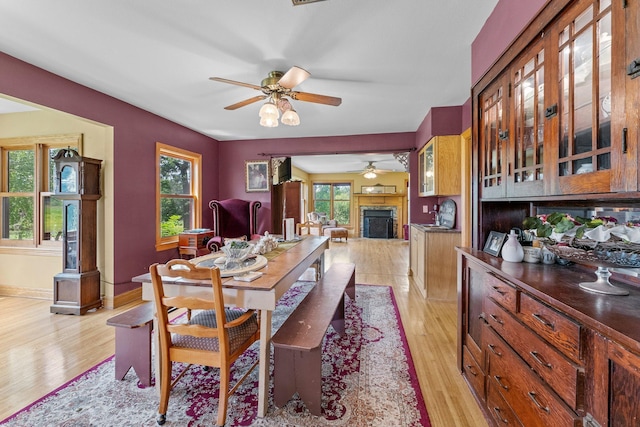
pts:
[236, 252]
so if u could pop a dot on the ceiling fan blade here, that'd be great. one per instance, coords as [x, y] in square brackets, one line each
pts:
[233, 82]
[318, 99]
[245, 102]
[293, 77]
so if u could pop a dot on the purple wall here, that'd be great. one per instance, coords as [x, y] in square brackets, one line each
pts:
[439, 121]
[504, 24]
[135, 134]
[235, 153]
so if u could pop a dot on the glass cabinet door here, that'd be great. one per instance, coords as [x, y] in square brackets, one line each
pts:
[528, 117]
[493, 139]
[429, 169]
[421, 175]
[585, 97]
[71, 242]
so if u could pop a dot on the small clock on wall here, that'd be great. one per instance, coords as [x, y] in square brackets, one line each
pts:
[77, 289]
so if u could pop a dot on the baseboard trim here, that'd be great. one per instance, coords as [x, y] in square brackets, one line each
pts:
[12, 291]
[123, 298]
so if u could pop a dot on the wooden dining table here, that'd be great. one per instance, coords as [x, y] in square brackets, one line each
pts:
[262, 294]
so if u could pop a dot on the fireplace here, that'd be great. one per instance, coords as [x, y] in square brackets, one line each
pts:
[377, 223]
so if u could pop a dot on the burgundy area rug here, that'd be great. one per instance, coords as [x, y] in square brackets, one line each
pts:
[368, 380]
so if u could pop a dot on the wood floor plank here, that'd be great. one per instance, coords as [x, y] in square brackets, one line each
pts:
[40, 351]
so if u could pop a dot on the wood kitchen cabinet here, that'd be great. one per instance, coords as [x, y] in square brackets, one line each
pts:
[439, 166]
[562, 117]
[432, 261]
[536, 350]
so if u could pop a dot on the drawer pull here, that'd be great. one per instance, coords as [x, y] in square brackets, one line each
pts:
[499, 381]
[498, 413]
[534, 397]
[471, 371]
[541, 319]
[498, 290]
[493, 350]
[536, 356]
[495, 319]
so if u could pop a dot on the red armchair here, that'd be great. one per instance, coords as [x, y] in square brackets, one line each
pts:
[234, 218]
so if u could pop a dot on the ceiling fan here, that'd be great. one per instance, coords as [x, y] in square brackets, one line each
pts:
[276, 87]
[370, 171]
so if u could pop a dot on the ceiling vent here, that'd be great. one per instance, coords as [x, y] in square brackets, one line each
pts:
[299, 2]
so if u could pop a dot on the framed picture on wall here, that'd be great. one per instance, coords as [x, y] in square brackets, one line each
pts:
[494, 243]
[256, 175]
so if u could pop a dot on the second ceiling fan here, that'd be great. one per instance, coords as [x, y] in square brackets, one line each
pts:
[370, 171]
[277, 87]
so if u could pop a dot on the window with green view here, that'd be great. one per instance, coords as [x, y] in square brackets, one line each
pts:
[334, 199]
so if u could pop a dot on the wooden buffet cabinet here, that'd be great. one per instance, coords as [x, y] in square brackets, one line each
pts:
[537, 350]
[555, 128]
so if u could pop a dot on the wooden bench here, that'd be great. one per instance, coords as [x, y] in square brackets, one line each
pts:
[297, 344]
[133, 341]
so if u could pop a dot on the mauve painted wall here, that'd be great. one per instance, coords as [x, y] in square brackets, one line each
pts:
[504, 24]
[135, 134]
[439, 121]
[234, 153]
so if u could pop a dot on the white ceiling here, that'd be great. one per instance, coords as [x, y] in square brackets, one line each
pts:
[337, 163]
[389, 61]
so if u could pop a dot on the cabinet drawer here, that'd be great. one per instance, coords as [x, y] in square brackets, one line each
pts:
[474, 374]
[501, 292]
[500, 410]
[564, 376]
[521, 388]
[553, 326]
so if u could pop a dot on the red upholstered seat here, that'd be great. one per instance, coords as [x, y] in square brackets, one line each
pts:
[233, 218]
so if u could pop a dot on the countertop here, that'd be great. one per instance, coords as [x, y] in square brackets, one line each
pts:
[434, 228]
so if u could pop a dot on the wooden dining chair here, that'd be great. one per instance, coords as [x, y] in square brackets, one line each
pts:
[214, 336]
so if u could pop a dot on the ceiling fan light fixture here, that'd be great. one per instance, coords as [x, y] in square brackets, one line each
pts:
[370, 175]
[270, 109]
[269, 120]
[290, 118]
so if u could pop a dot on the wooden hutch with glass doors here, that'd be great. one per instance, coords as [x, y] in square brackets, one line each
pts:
[555, 128]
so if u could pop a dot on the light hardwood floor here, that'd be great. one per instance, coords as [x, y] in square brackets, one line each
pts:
[41, 351]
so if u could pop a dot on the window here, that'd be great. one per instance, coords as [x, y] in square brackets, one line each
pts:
[333, 199]
[178, 190]
[29, 214]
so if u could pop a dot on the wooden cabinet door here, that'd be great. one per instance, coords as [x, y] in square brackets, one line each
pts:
[616, 385]
[526, 150]
[414, 256]
[583, 93]
[440, 260]
[286, 202]
[417, 258]
[626, 103]
[470, 308]
[439, 166]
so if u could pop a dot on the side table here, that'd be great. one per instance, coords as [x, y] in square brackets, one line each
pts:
[193, 243]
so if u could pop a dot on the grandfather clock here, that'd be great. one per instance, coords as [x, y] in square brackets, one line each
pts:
[77, 289]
